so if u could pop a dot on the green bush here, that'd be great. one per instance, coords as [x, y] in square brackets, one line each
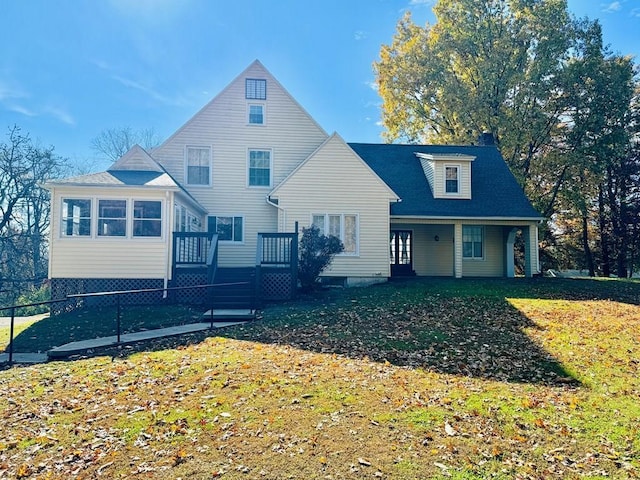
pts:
[316, 253]
[34, 295]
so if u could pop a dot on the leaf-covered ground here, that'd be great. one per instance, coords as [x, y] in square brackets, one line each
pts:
[422, 379]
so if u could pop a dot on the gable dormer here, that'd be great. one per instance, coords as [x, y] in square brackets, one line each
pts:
[449, 175]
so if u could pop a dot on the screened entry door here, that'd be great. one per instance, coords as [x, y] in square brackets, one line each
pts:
[401, 253]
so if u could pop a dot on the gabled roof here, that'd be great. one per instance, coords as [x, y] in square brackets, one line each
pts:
[495, 192]
[136, 168]
[335, 137]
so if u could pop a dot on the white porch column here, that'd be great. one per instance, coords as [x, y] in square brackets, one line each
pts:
[531, 259]
[457, 250]
[510, 260]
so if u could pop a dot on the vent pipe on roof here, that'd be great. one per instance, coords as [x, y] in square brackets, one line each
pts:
[486, 138]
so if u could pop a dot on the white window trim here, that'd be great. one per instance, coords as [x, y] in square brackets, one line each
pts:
[92, 218]
[163, 220]
[484, 245]
[458, 168]
[127, 226]
[253, 149]
[244, 229]
[342, 215]
[264, 113]
[95, 200]
[186, 166]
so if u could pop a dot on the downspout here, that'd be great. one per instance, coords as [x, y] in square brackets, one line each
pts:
[284, 212]
[169, 243]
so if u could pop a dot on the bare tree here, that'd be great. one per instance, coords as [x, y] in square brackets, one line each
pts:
[115, 142]
[24, 210]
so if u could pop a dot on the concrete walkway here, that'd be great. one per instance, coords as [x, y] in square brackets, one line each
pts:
[235, 317]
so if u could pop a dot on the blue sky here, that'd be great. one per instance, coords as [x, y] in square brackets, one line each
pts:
[70, 69]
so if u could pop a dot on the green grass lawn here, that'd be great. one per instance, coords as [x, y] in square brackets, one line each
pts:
[97, 322]
[472, 379]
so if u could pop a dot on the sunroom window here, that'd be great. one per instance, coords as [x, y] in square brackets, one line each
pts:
[76, 217]
[147, 218]
[112, 218]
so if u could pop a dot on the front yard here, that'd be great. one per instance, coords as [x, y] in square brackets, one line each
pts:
[419, 379]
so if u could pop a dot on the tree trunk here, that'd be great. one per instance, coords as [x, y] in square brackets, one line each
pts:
[588, 256]
[604, 237]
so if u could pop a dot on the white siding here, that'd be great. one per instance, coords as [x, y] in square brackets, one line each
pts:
[492, 264]
[101, 257]
[464, 179]
[289, 132]
[336, 181]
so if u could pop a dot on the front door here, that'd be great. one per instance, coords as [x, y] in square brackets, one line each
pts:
[401, 253]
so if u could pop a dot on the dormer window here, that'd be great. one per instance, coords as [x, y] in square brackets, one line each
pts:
[255, 89]
[452, 179]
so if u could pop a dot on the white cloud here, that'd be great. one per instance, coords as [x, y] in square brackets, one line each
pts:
[21, 110]
[635, 12]
[612, 7]
[149, 91]
[413, 3]
[11, 91]
[60, 114]
[359, 35]
[372, 84]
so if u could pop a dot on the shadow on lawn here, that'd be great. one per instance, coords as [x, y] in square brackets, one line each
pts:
[474, 336]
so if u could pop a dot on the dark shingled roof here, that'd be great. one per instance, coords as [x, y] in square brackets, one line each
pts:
[495, 192]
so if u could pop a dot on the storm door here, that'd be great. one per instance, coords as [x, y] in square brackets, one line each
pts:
[401, 252]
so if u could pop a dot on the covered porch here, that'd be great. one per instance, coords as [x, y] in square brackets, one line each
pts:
[462, 248]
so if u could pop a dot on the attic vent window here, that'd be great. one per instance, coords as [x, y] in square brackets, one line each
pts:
[255, 89]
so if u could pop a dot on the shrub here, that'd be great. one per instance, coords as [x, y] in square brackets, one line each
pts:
[34, 295]
[316, 253]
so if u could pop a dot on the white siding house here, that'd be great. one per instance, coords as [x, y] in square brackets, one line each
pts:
[254, 161]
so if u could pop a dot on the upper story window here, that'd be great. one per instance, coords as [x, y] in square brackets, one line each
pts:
[259, 168]
[452, 179]
[112, 218]
[472, 242]
[198, 165]
[256, 114]
[342, 226]
[255, 89]
[147, 218]
[76, 217]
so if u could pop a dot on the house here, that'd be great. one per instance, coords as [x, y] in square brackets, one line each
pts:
[253, 161]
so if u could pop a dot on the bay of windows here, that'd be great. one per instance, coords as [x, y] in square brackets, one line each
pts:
[342, 226]
[112, 218]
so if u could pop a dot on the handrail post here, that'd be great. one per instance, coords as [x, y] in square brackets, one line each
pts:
[118, 317]
[13, 317]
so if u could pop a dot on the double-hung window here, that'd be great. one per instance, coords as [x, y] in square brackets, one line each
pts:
[259, 168]
[229, 229]
[198, 165]
[472, 242]
[76, 217]
[112, 218]
[342, 226]
[147, 218]
[256, 114]
[452, 179]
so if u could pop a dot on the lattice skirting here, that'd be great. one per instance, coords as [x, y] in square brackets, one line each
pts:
[61, 287]
[277, 285]
[191, 296]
